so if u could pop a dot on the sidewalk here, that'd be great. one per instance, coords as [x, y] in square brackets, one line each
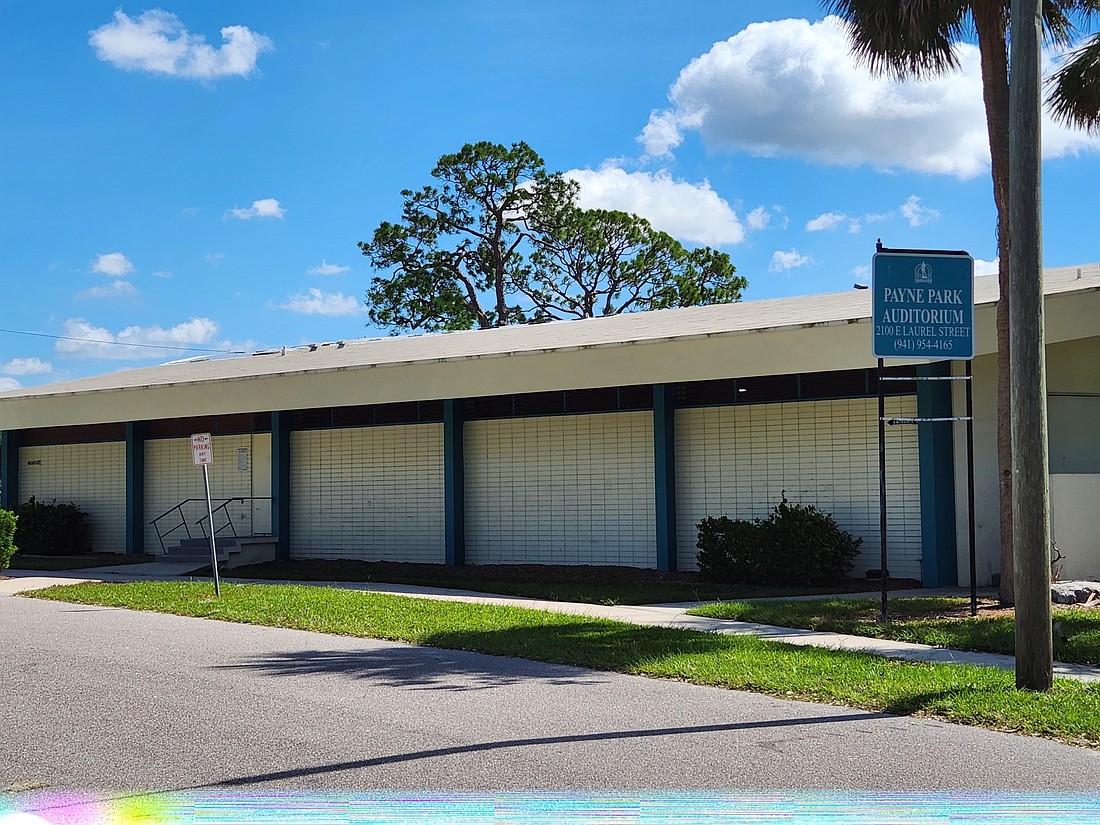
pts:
[669, 615]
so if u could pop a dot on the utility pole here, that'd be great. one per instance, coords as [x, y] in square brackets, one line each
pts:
[1030, 505]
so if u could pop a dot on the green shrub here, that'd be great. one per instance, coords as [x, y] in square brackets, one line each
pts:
[8, 521]
[729, 551]
[51, 529]
[795, 543]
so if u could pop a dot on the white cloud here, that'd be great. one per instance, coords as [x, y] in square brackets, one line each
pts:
[916, 214]
[986, 267]
[661, 135]
[26, 366]
[862, 271]
[190, 211]
[826, 222]
[691, 212]
[9, 384]
[325, 268]
[113, 264]
[213, 257]
[791, 87]
[316, 302]
[758, 218]
[116, 289]
[84, 340]
[263, 208]
[157, 42]
[161, 273]
[786, 261]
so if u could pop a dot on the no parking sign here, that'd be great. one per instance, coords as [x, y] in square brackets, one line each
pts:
[202, 449]
[202, 454]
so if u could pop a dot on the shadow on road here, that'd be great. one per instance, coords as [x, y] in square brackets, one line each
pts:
[423, 669]
[482, 747]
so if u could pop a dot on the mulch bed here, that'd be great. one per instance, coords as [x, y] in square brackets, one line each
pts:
[358, 570]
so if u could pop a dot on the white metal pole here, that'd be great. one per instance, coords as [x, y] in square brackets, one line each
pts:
[213, 542]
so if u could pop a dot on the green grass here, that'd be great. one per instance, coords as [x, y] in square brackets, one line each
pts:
[21, 562]
[918, 620]
[956, 693]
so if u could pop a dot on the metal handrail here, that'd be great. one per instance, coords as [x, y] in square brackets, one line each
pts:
[178, 509]
[183, 523]
[229, 519]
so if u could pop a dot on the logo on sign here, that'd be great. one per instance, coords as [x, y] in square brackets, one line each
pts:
[923, 273]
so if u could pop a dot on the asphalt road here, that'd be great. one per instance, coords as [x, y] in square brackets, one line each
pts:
[115, 700]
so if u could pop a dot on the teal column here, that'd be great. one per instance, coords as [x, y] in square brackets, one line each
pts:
[664, 469]
[937, 478]
[454, 485]
[10, 442]
[135, 488]
[280, 483]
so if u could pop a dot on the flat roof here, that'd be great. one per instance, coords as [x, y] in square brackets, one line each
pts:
[776, 336]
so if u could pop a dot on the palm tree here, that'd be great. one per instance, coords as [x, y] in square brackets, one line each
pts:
[919, 38]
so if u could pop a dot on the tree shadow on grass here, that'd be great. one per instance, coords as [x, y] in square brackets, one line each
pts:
[595, 644]
[932, 700]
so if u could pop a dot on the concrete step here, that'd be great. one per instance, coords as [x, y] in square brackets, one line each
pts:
[232, 552]
[196, 550]
[203, 543]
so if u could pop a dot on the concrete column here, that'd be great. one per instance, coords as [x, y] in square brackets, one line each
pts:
[10, 442]
[280, 483]
[664, 474]
[135, 488]
[454, 480]
[936, 449]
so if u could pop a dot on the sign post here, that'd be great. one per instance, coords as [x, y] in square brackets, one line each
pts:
[202, 454]
[922, 307]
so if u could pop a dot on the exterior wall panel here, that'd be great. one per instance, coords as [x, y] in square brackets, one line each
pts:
[371, 493]
[573, 489]
[171, 477]
[738, 461]
[91, 476]
[1073, 525]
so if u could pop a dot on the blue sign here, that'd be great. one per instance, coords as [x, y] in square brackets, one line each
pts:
[922, 305]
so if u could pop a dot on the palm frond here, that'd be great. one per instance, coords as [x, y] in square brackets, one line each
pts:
[903, 38]
[1074, 90]
[1062, 19]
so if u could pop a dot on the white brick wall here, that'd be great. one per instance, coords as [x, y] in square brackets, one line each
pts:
[91, 476]
[737, 461]
[372, 493]
[574, 489]
[171, 477]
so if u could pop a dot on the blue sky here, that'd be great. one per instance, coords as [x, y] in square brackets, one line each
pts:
[197, 175]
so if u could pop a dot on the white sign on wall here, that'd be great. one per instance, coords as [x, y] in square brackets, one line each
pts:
[202, 448]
